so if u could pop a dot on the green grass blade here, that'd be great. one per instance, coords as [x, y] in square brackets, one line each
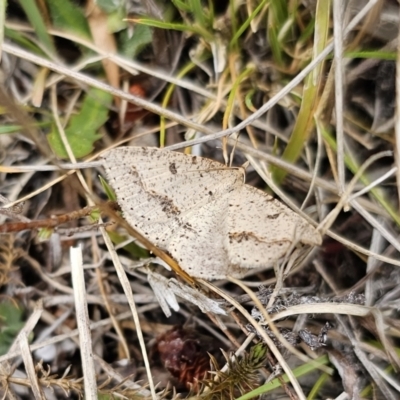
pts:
[182, 5]
[22, 40]
[277, 17]
[175, 26]
[247, 73]
[3, 7]
[374, 54]
[246, 24]
[353, 166]
[39, 25]
[275, 383]
[198, 12]
[166, 99]
[317, 386]
[305, 119]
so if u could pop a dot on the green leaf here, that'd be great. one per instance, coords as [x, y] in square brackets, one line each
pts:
[10, 324]
[94, 216]
[81, 131]
[109, 6]
[132, 248]
[116, 21]
[67, 16]
[45, 233]
[258, 354]
[142, 36]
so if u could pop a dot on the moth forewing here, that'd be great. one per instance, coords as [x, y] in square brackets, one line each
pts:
[202, 213]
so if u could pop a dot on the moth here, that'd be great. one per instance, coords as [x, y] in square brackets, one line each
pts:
[202, 213]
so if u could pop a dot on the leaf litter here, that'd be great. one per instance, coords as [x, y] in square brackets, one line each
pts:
[362, 346]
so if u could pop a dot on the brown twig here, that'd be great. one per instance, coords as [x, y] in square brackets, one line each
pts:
[51, 222]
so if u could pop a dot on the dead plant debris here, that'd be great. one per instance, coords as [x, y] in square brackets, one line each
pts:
[299, 97]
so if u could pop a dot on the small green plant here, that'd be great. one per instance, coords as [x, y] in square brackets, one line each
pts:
[242, 374]
[10, 324]
[81, 131]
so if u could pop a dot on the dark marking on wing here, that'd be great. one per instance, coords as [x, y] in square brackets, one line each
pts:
[167, 205]
[173, 169]
[133, 171]
[240, 236]
[274, 216]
